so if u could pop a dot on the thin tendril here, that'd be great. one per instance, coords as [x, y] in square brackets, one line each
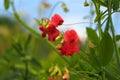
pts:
[77, 23]
[54, 8]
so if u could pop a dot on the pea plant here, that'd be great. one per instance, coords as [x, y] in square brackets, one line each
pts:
[51, 54]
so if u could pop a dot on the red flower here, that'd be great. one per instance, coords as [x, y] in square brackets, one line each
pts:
[43, 31]
[51, 31]
[57, 20]
[68, 49]
[71, 36]
[51, 28]
[70, 45]
[51, 78]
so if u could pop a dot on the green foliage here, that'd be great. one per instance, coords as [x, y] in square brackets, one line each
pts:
[106, 49]
[116, 4]
[100, 16]
[74, 60]
[115, 72]
[94, 61]
[117, 37]
[92, 35]
[6, 4]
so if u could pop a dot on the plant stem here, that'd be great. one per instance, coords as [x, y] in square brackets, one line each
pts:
[99, 21]
[113, 33]
[103, 74]
[26, 70]
[53, 46]
[76, 23]
[114, 41]
[22, 22]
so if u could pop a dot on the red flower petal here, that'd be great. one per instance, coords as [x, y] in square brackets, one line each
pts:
[68, 49]
[52, 34]
[51, 27]
[43, 34]
[43, 31]
[71, 36]
[51, 78]
[57, 20]
[41, 28]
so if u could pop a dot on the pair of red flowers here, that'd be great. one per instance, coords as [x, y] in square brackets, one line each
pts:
[70, 37]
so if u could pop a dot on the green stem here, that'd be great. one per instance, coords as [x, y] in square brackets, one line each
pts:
[53, 46]
[97, 7]
[22, 22]
[113, 33]
[104, 21]
[103, 74]
[26, 70]
[76, 23]
[114, 41]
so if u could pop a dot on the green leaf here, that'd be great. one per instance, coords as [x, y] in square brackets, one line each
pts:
[115, 5]
[19, 66]
[110, 75]
[13, 76]
[106, 49]
[93, 59]
[28, 41]
[33, 71]
[103, 3]
[92, 35]
[100, 16]
[6, 4]
[39, 22]
[74, 59]
[117, 37]
[97, 18]
[36, 63]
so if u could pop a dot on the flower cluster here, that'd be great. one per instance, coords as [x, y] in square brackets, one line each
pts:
[70, 39]
[70, 45]
[59, 74]
[50, 29]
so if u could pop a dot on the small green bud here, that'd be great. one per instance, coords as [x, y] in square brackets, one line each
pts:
[45, 21]
[58, 37]
[86, 3]
[40, 22]
[64, 7]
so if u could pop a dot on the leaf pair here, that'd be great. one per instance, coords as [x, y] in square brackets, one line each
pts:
[104, 47]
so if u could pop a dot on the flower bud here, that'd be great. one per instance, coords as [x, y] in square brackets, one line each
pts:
[64, 7]
[58, 37]
[86, 3]
[45, 21]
